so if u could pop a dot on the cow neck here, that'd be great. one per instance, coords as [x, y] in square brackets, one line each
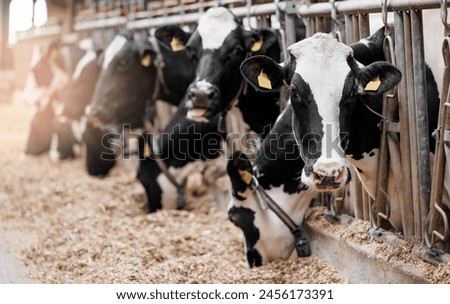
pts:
[266, 202]
[159, 65]
[242, 88]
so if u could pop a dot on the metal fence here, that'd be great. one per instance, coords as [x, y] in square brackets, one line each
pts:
[415, 194]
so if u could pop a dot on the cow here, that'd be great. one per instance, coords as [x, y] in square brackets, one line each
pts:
[181, 127]
[50, 74]
[136, 72]
[196, 132]
[70, 119]
[328, 125]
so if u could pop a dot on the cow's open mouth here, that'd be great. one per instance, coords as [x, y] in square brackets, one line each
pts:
[199, 114]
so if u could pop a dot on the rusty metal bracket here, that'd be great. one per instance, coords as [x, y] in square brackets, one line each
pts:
[384, 16]
[444, 14]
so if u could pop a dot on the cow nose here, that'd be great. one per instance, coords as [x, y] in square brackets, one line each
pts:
[201, 97]
[328, 174]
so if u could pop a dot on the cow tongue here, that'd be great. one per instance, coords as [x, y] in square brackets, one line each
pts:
[197, 112]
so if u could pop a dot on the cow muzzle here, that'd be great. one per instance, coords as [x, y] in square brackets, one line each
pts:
[328, 176]
[203, 98]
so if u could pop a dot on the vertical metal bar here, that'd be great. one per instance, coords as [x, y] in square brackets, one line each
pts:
[4, 32]
[440, 159]
[348, 30]
[423, 145]
[409, 75]
[364, 26]
[313, 27]
[318, 23]
[355, 23]
[406, 208]
[289, 28]
[308, 26]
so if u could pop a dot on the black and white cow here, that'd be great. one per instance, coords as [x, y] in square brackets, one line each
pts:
[129, 77]
[50, 74]
[217, 47]
[70, 120]
[325, 128]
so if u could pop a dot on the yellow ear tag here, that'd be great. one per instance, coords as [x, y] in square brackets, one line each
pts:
[176, 44]
[373, 85]
[146, 60]
[147, 150]
[245, 176]
[263, 81]
[257, 45]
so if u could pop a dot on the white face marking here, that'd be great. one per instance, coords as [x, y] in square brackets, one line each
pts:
[321, 61]
[215, 26]
[115, 46]
[203, 85]
[88, 57]
[276, 240]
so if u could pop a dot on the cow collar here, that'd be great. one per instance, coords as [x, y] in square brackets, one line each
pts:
[265, 202]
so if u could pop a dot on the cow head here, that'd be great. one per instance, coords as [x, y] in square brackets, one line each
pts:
[81, 87]
[219, 45]
[325, 83]
[128, 74]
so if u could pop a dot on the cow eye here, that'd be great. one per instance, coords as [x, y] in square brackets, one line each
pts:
[237, 51]
[124, 63]
[294, 93]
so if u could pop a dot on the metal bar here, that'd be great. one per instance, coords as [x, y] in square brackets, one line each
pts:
[437, 186]
[355, 21]
[406, 207]
[240, 12]
[422, 134]
[348, 30]
[411, 226]
[365, 6]
[364, 26]
[289, 29]
[4, 32]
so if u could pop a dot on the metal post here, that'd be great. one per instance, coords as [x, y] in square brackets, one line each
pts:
[289, 23]
[423, 145]
[348, 30]
[71, 12]
[406, 208]
[4, 33]
[364, 26]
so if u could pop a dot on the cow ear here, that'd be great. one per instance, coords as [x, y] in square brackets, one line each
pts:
[240, 171]
[263, 73]
[172, 36]
[369, 49]
[378, 78]
[262, 40]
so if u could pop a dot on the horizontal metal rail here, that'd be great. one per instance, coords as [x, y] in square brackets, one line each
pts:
[260, 9]
[365, 6]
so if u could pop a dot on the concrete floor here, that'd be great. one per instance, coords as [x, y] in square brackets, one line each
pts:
[11, 270]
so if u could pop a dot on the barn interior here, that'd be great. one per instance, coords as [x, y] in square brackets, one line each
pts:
[58, 224]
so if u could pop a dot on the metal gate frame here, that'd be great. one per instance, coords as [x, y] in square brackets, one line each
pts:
[405, 111]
